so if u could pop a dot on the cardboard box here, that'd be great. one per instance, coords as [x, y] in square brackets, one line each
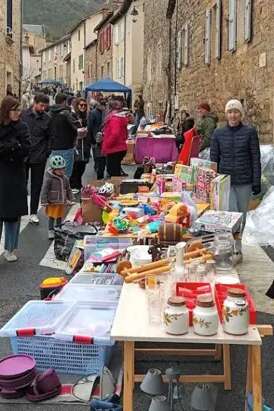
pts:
[90, 211]
[220, 191]
[214, 221]
[203, 184]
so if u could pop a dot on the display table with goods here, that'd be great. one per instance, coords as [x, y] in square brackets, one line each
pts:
[148, 260]
[133, 323]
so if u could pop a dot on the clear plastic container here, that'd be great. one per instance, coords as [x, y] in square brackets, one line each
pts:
[89, 293]
[97, 279]
[224, 244]
[37, 318]
[88, 320]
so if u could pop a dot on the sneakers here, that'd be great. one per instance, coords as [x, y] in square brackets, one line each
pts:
[237, 258]
[51, 235]
[34, 219]
[10, 257]
[75, 191]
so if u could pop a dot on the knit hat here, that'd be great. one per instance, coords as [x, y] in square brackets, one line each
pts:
[204, 106]
[234, 105]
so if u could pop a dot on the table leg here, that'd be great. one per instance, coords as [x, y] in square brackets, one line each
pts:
[129, 372]
[248, 373]
[227, 367]
[257, 377]
[219, 352]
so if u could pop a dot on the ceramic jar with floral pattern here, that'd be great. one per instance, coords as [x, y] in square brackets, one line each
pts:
[236, 312]
[176, 316]
[205, 316]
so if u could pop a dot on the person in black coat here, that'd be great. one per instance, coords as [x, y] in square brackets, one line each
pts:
[235, 148]
[95, 127]
[14, 149]
[63, 131]
[83, 146]
[38, 122]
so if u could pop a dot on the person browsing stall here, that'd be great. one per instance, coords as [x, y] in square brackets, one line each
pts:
[235, 148]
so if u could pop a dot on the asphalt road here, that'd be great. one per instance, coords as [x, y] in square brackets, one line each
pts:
[20, 283]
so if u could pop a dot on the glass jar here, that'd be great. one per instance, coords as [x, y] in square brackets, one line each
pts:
[201, 273]
[205, 316]
[176, 317]
[153, 294]
[224, 244]
[236, 312]
[211, 271]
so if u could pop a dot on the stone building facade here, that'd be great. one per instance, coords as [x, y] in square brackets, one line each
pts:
[10, 46]
[104, 47]
[91, 62]
[218, 50]
[54, 62]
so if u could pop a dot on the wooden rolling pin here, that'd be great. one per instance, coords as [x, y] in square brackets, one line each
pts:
[146, 267]
[203, 259]
[196, 253]
[139, 276]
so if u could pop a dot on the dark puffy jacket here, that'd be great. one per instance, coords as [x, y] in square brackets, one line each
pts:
[14, 148]
[236, 150]
[63, 128]
[83, 145]
[95, 125]
[38, 124]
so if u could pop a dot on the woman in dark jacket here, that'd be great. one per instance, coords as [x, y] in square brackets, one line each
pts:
[14, 148]
[235, 148]
[83, 147]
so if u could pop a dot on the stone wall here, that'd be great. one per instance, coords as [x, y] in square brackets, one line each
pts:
[246, 74]
[10, 50]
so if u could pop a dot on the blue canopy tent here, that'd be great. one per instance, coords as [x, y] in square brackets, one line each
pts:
[109, 86]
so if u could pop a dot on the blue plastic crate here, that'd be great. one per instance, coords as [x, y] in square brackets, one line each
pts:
[65, 357]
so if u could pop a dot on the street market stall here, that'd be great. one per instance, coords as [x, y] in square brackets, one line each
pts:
[148, 260]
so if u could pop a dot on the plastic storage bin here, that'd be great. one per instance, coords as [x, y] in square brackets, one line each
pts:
[87, 293]
[36, 318]
[95, 243]
[83, 278]
[64, 356]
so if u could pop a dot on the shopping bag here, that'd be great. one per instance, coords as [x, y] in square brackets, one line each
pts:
[97, 405]
[66, 235]
[250, 404]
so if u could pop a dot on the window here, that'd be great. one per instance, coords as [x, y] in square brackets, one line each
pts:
[185, 48]
[248, 20]
[218, 29]
[9, 17]
[232, 25]
[81, 62]
[73, 66]
[208, 37]
[117, 68]
[102, 71]
[61, 72]
[179, 51]
[108, 69]
[50, 54]
[79, 35]
[122, 71]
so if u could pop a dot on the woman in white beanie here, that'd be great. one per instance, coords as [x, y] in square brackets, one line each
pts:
[235, 148]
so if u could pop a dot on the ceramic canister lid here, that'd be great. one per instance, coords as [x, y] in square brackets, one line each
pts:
[205, 300]
[176, 301]
[236, 292]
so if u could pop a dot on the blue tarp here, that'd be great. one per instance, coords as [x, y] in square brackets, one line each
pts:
[108, 86]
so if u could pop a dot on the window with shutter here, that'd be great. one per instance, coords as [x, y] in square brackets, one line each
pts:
[208, 37]
[186, 45]
[9, 17]
[218, 39]
[248, 20]
[179, 51]
[232, 26]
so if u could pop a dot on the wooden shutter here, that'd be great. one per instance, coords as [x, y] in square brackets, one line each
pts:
[208, 37]
[218, 41]
[186, 45]
[248, 20]
[232, 31]
[179, 51]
